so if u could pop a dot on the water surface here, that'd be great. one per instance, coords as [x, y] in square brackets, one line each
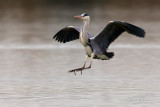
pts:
[34, 68]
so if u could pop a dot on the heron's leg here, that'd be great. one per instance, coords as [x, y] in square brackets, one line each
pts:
[92, 55]
[80, 69]
[85, 61]
[84, 64]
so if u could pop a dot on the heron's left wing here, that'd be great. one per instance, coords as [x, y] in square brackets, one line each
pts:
[67, 34]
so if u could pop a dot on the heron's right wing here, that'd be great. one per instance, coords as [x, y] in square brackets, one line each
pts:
[67, 34]
[113, 30]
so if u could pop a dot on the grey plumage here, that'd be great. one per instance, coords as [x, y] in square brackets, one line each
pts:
[68, 34]
[113, 30]
[96, 47]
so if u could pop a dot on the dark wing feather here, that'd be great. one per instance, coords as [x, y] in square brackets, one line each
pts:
[113, 30]
[67, 34]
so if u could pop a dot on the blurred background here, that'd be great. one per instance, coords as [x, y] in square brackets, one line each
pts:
[34, 68]
[36, 21]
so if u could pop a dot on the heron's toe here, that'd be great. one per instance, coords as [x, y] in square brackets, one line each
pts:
[72, 71]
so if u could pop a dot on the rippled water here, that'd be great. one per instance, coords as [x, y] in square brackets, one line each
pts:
[34, 68]
[40, 78]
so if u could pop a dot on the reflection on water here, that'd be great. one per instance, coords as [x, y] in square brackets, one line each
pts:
[33, 67]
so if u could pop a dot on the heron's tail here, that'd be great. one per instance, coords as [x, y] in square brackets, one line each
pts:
[109, 54]
[104, 56]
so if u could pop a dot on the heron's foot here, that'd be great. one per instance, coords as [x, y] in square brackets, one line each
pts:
[88, 67]
[76, 70]
[79, 69]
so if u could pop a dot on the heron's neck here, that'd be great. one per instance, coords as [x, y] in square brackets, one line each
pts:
[83, 34]
[85, 26]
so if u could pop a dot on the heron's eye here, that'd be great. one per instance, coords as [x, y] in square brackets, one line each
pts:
[84, 14]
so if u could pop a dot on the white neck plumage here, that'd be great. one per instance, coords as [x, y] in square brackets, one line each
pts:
[85, 25]
[83, 34]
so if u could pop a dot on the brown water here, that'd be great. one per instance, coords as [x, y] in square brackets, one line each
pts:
[33, 67]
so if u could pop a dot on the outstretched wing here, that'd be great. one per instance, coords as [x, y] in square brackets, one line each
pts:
[113, 31]
[67, 34]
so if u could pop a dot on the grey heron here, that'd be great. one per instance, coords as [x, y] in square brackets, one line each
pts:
[96, 46]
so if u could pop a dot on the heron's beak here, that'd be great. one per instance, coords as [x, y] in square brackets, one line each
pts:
[78, 17]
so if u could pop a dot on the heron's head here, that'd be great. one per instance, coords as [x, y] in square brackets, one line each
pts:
[83, 16]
